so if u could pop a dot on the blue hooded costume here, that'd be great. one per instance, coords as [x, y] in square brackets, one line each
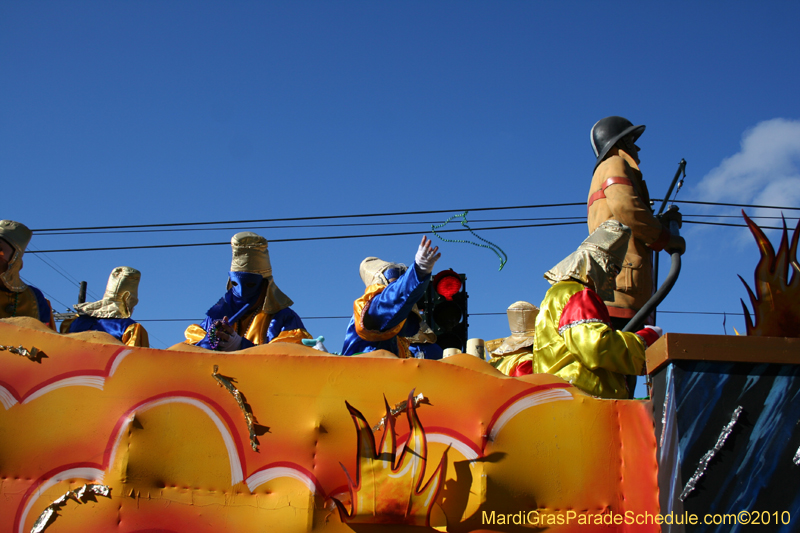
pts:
[383, 318]
[256, 309]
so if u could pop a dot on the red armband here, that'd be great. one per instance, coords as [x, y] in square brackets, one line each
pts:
[599, 195]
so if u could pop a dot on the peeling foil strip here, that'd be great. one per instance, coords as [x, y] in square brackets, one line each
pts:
[796, 459]
[248, 417]
[34, 354]
[664, 415]
[51, 511]
[401, 408]
[701, 467]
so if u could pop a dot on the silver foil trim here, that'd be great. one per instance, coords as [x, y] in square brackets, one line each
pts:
[701, 467]
[50, 512]
[34, 354]
[578, 323]
[664, 417]
[248, 416]
[400, 408]
[796, 459]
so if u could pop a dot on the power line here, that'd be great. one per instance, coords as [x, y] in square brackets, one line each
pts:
[700, 313]
[733, 205]
[726, 224]
[399, 213]
[296, 226]
[175, 226]
[740, 216]
[66, 275]
[325, 217]
[361, 224]
[337, 237]
[370, 224]
[342, 317]
[50, 297]
[301, 239]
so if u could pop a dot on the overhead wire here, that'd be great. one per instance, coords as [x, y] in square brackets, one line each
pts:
[302, 239]
[182, 226]
[697, 202]
[398, 213]
[321, 217]
[359, 236]
[499, 313]
[49, 296]
[296, 226]
[368, 224]
[60, 270]
[701, 222]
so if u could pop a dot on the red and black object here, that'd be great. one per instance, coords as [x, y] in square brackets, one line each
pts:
[445, 309]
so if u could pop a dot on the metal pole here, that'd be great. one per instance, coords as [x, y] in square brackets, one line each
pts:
[82, 293]
[681, 170]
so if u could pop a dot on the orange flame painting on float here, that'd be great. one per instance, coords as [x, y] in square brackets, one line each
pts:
[776, 301]
[190, 440]
[385, 492]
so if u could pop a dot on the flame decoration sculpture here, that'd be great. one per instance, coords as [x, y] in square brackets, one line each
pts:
[776, 301]
[386, 490]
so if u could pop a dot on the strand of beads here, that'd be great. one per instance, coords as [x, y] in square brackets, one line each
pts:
[213, 340]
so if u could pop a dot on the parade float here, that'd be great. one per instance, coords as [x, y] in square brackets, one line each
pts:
[98, 436]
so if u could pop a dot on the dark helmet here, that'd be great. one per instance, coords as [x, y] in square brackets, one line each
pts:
[608, 131]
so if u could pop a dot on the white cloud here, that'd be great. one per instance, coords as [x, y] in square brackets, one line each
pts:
[765, 171]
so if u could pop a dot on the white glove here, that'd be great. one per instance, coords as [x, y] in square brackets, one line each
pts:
[233, 343]
[656, 329]
[426, 257]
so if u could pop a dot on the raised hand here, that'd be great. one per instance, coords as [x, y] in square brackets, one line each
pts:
[426, 256]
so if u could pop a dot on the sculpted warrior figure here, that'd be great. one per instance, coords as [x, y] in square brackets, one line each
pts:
[618, 192]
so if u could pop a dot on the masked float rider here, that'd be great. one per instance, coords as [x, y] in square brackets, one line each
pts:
[16, 297]
[254, 310]
[574, 338]
[112, 314]
[619, 193]
[508, 352]
[384, 317]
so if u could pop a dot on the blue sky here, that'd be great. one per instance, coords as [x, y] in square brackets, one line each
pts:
[128, 113]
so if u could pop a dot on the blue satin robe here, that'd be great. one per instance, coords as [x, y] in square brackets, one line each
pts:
[386, 310]
[284, 320]
[115, 327]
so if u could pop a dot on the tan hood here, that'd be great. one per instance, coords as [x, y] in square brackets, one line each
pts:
[18, 236]
[251, 254]
[606, 246]
[522, 323]
[121, 296]
[372, 269]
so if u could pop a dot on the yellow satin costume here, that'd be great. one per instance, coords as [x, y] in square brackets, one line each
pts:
[584, 349]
